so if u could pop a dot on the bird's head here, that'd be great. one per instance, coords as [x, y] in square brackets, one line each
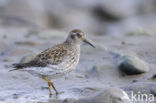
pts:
[77, 36]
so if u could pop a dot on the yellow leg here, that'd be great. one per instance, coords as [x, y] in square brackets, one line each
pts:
[54, 87]
[50, 83]
[49, 89]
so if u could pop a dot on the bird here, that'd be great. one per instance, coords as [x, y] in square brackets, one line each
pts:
[59, 59]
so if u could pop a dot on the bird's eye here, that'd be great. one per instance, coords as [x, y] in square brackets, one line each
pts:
[79, 35]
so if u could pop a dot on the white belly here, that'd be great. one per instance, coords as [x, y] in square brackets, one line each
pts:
[54, 70]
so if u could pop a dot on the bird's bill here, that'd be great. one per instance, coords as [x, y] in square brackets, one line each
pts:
[87, 42]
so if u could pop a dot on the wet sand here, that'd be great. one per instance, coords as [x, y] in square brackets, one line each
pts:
[96, 71]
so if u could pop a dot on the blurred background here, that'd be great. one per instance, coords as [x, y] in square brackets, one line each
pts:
[98, 17]
[119, 27]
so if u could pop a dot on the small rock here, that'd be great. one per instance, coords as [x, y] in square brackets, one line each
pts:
[154, 76]
[111, 95]
[27, 58]
[134, 81]
[130, 64]
[103, 14]
[102, 72]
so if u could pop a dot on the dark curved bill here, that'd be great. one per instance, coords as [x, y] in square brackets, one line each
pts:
[87, 42]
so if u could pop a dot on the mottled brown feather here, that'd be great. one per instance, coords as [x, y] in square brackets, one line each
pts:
[54, 55]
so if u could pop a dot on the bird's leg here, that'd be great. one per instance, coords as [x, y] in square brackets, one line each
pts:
[49, 89]
[50, 83]
[54, 88]
[43, 77]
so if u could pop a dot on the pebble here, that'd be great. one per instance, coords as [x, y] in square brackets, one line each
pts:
[130, 64]
[27, 58]
[111, 95]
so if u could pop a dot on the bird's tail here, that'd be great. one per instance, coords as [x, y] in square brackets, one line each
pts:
[19, 66]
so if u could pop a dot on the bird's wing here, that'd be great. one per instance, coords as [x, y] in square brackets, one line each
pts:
[53, 56]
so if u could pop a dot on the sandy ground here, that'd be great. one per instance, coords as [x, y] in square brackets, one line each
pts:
[22, 87]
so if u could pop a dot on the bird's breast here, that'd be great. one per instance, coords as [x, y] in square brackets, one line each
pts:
[71, 61]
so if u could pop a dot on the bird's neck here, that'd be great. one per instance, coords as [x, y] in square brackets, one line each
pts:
[73, 43]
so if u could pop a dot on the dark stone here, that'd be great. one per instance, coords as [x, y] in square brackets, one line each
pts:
[104, 15]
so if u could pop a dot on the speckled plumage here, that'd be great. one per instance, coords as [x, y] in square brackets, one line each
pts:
[60, 59]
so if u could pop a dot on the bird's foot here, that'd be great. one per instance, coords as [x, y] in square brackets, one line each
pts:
[50, 95]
